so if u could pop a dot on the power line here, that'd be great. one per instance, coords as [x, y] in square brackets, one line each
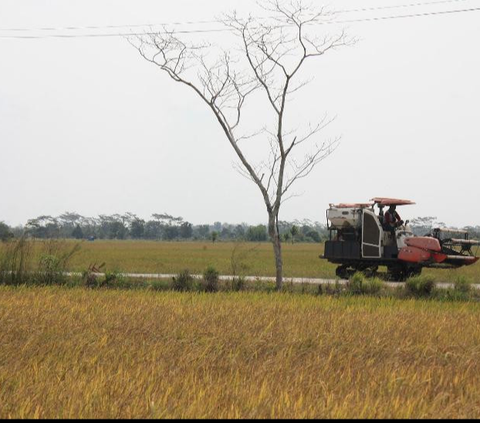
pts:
[198, 31]
[77, 28]
[413, 15]
[400, 6]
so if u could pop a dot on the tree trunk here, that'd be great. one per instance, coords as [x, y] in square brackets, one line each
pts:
[277, 249]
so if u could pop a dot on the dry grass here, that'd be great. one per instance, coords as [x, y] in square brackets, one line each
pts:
[110, 354]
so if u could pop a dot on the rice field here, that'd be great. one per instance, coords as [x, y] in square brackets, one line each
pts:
[76, 353]
[246, 259]
[173, 257]
[249, 259]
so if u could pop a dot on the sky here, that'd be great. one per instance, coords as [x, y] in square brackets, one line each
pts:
[87, 125]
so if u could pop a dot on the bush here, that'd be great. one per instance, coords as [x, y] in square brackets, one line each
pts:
[463, 285]
[360, 285]
[420, 286]
[210, 277]
[331, 289]
[183, 281]
[110, 279]
[54, 260]
[356, 282]
[373, 286]
[17, 266]
[50, 271]
[238, 284]
[90, 276]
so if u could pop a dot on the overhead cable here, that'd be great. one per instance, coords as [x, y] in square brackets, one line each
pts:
[214, 30]
[164, 24]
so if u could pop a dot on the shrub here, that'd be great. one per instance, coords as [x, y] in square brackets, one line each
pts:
[54, 261]
[112, 279]
[360, 285]
[333, 289]
[90, 276]
[462, 284]
[238, 284]
[373, 286]
[210, 277]
[356, 282]
[288, 287]
[183, 281]
[50, 271]
[420, 286]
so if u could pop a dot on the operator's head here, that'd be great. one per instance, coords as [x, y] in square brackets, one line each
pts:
[393, 207]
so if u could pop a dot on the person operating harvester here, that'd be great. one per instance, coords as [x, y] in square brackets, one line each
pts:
[392, 219]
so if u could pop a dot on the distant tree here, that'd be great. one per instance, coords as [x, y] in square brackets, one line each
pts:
[89, 227]
[239, 232]
[214, 236]
[170, 233]
[167, 219]
[128, 218]
[186, 230]
[18, 231]
[69, 219]
[203, 231]
[117, 230]
[425, 225]
[5, 232]
[293, 233]
[77, 233]
[137, 228]
[257, 233]
[474, 231]
[314, 236]
[226, 233]
[43, 227]
[153, 230]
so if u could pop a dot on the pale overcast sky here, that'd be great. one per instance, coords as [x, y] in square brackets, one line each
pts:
[87, 125]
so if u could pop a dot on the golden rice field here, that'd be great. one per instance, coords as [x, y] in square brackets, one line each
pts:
[301, 260]
[76, 353]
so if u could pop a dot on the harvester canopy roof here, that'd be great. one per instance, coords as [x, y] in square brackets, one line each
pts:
[381, 201]
[352, 205]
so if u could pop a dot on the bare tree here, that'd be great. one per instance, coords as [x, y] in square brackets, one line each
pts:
[272, 53]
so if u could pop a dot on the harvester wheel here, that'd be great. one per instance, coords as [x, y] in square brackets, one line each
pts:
[397, 274]
[402, 273]
[413, 271]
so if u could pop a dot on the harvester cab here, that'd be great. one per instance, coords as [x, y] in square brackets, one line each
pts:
[361, 240]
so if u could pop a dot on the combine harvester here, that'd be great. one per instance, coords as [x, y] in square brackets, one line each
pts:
[360, 241]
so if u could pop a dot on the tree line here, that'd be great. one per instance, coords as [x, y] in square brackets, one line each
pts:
[160, 227]
[164, 227]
